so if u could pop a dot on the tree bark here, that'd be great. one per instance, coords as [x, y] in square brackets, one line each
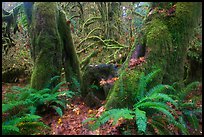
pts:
[166, 36]
[70, 58]
[51, 44]
[46, 44]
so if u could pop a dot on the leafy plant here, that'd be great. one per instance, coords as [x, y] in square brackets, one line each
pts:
[19, 107]
[23, 125]
[148, 104]
[187, 106]
[114, 114]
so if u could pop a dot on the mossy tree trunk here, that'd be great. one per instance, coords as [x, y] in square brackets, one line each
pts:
[46, 44]
[51, 44]
[70, 58]
[166, 37]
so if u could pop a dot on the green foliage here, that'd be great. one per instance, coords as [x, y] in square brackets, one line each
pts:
[94, 86]
[141, 120]
[19, 107]
[188, 105]
[76, 84]
[144, 81]
[19, 125]
[147, 105]
[114, 114]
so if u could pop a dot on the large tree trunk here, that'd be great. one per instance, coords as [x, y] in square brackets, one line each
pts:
[46, 44]
[166, 38]
[51, 44]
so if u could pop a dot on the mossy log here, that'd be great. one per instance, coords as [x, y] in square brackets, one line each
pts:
[92, 90]
[166, 39]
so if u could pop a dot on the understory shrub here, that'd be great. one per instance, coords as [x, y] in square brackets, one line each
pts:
[154, 111]
[20, 107]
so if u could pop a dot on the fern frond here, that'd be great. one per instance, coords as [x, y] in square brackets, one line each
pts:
[181, 127]
[32, 124]
[182, 121]
[141, 87]
[188, 89]
[156, 105]
[11, 105]
[58, 110]
[159, 88]
[29, 117]
[118, 113]
[70, 94]
[53, 79]
[160, 126]
[32, 109]
[61, 103]
[88, 120]
[141, 120]
[43, 91]
[150, 76]
[57, 87]
[94, 86]
[114, 114]
[9, 129]
[193, 121]
[187, 105]
[165, 97]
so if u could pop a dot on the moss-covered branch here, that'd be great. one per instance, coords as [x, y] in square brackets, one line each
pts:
[86, 61]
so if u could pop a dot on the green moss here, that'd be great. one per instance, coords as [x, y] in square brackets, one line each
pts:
[181, 28]
[121, 95]
[71, 61]
[46, 44]
[167, 39]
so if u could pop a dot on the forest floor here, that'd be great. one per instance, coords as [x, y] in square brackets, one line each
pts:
[71, 121]
[75, 113]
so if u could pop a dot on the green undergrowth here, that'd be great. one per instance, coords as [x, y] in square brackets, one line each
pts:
[21, 108]
[155, 109]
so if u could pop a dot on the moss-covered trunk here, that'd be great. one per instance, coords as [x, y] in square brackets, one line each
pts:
[70, 58]
[51, 44]
[166, 36]
[46, 44]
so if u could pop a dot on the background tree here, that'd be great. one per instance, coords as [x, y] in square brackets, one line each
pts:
[166, 36]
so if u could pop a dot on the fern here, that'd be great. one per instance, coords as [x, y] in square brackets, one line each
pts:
[14, 126]
[148, 102]
[21, 107]
[187, 89]
[58, 110]
[141, 87]
[9, 129]
[151, 76]
[141, 120]
[188, 109]
[114, 114]
[52, 80]
[76, 83]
